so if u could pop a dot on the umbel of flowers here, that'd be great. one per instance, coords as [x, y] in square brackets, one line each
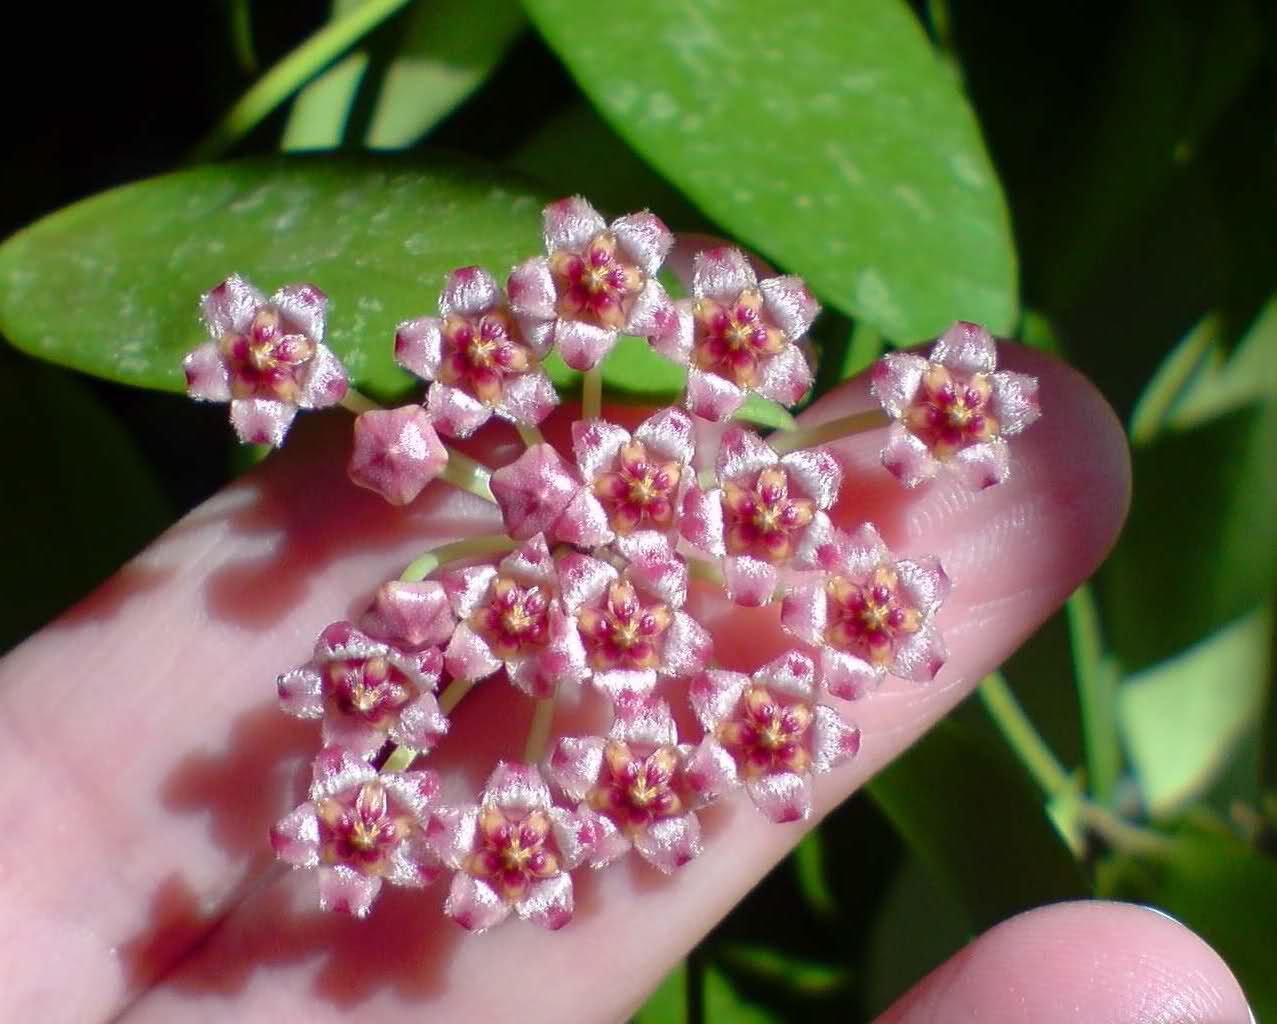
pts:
[587, 590]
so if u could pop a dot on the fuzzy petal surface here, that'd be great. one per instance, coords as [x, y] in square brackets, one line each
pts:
[301, 693]
[669, 843]
[847, 677]
[421, 724]
[711, 397]
[583, 579]
[295, 838]
[231, 306]
[534, 490]
[924, 582]
[410, 614]
[688, 647]
[583, 345]
[305, 306]
[816, 473]
[751, 582]
[742, 454]
[453, 412]
[1014, 401]
[206, 375]
[701, 521]
[654, 566]
[396, 453]
[967, 348]
[473, 904]
[346, 891]
[786, 377]
[710, 770]
[782, 796]
[652, 313]
[645, 239]
[574, 764]
[531, 289]
[468, 655]
[921, 656]
[326, 380]
[833, 741]
[469, 291]
[793, 673]
[714, 695]
[790, 304]
[804, 612]
[419, 346]
[262, 420]
[983, 465]
[721, 274]
[895, 381]
[670, 433]
[528, 399]
[908, 458]
[548, 903]
[570, 223]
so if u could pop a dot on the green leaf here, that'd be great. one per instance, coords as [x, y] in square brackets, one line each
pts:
[1222, 889]
[111, 285]
[782, 971]
[725, 1005]
[938, 797]
[827, 135]
[1181, 719]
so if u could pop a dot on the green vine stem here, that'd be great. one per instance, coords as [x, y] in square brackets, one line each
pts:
[472, 547]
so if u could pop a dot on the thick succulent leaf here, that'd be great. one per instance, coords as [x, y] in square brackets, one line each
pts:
[111, 285]
[827, 135]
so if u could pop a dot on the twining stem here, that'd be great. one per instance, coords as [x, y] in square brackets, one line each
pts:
[472, 547]
[783, 441]
[399, 759]
[531, 435]
[1023, 737]
[592, 393]
[357, 402]
[1097, 695]
[539, 731]
[290, 74]
[453, 694]
[468, 475]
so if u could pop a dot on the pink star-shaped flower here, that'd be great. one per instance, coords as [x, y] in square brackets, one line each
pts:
[621, 483]
[598, 282]
[266, 358]
[951, 409]
[360, 829]
[512, 617]
[396, 453]
[870, 614]
[738, 334]
[367, 691]
[512, 851]
[632, 624]
[766, 513]
[633, 781]
[768, 733]
[477, 357]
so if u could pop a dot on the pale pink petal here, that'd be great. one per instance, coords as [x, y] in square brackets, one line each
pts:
[644, 239]
[618, 681]
[654, 566]
[816, 473]
[642, 719]
[206, 376]
[326, 380]
[670, 434]
[583, 579]
[921, 656]
[468, 655]
[669, 843]
[304, 306]
[701, 521]
[410, 614]
[895, 381]
[782, 797]
[534, 490]
[751, 582]
[714, 695]
[786, 377]
[231, 306]
[415, 791]
[301, 692]
[396, 453]
[570, 223]
[466, 588]
[335, 770]
[687, 647]
[516, 788]
[454, 412]
[712, 397]
[346, 891]
[352, 733]
[470, 292]
[295, 838]
[564, 659]
[421, 724]
[583, 345]
[531, 563]
[721, 274]
[473, 904]
[419, 346]
[790, 305]
[527, 676]
[611, 845]
[967, 348]
[596, 444]
[804, 612]
[531, 290]
[343, 640]
[412, 863]
[548, 902]
[833, 741]
[793, 673]
[576, 833]
[575, 763]
[819, 545]
[262, 420]
[710, 770]
[584, 522]
[863, 551]
[528, 399]
[538, 333]
[674, 342]
[1014, 401]
[924, 582]
[743, 454]
[652, 314]
[847, 677]
[983, 465]
[452, 832]
[908, 458]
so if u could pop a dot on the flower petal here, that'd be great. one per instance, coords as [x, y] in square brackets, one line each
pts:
[421, 724]
[419, 346]
[675, 341]
[833, 741]
[688, 646]
[712, 397]
[584, 522]
[751, 582]
[206, 375]
[452, 832]
[570, 223]
[967, 348]
[847, 677]
[618, 681]
[793, 673]
[652, 314]
[921, 656]
[669, 843]
[531, 563]
[816, 472]
[583, 579]
[789, 303]
[396, 452]
[742, 454]
[644, 239]
[596, 443]
[262, 420]
[295, 838]
[710, 770]
[983, 465]
[301, 692]
[326, 380]
[410, 614]
[786, 377]
[714, 695]
[473, 904]
[531, 289]
[642, 719]
[670, 434]
[908, 458]
[863, 551]
[470, 292]
[721, 273]
[466, 588]
[335, 770]
[654, 566]
[575, 763]
[231, 306]
[548, 902]
[821, 544]
[468, 656]
[453, 412]
[350, 732]
[701, 521]
[583, 345]
[804, 611]
[782, 796]
[924, 582]
[304, 305]
[347, 891]
[534, 490]
[415, 792]
[528, 399]
[412, 863]
[516, 788]
[895, 381]
[528, 677]
[1014, 401]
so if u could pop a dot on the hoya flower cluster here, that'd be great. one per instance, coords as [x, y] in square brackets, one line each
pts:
[589, 590]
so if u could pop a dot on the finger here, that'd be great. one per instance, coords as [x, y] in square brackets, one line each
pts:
[1072, 962]
[1015, 551]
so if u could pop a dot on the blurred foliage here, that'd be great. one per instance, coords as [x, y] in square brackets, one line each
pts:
[906, 160]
